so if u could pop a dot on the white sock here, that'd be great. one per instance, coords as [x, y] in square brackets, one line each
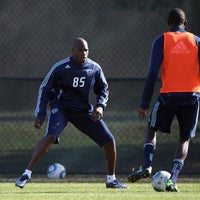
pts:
[111, 178]
[28, 172]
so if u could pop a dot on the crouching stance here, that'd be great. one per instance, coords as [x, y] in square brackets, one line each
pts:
[66, 88]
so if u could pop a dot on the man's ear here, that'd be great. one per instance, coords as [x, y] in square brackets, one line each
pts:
[185, 22]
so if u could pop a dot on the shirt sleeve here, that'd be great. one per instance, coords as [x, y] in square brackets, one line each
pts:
[197, 39]
[45, 94]
[101, 89]
[154, 67]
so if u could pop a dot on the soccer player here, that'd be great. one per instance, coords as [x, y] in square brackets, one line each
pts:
[66, 88]
[177, 53]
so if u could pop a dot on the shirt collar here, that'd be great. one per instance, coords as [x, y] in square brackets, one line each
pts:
[76, 64]
[177, 29]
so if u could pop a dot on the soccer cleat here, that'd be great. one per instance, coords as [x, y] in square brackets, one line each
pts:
[22, 180]
[171, 187]
[141, 173]
[116, 184]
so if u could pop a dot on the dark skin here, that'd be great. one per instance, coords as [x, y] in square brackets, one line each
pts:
[151, 133]
[80, 53]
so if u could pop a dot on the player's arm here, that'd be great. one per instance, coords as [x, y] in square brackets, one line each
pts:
[44, 96]
[197, 39]
[101, 91]
[154, 67]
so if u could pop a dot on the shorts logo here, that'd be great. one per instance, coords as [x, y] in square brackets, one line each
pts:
[54, 110]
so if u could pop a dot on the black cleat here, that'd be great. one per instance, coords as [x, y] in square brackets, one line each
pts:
[141, 173]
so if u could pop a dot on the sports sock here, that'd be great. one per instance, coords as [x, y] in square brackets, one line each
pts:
[177, 165]
[111, 178]
[148, 154]
[28, 172]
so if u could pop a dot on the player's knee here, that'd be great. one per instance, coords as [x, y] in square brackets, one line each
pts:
[111, 145]
[51, 139]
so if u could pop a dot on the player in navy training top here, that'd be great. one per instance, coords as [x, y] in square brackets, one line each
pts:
[67, 88]
[177, 53]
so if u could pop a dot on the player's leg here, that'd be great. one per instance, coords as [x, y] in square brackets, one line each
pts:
[148, 149]
[178, 162]
[54, 130]
[161, 118]
[41, 149]
[187, 118]
[110, 154]
[99, 132]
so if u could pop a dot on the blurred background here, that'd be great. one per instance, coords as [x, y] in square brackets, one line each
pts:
[35, 34]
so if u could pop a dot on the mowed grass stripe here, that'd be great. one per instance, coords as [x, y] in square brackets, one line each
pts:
[79, 191]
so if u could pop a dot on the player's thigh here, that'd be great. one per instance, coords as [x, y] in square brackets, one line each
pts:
[97, 131]
[161, 117]
[187, 117]
[57, 121]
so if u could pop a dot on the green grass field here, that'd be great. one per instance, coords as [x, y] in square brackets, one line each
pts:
[94, 188]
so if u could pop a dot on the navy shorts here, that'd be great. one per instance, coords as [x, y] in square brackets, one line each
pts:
[162, 115]
[97, 131]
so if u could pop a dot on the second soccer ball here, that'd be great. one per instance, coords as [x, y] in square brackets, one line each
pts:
[56, 171]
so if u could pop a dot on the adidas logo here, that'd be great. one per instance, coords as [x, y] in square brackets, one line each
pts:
[67, 67]
[180, 48]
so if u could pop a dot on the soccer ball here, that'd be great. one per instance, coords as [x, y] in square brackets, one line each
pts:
[56, 171]
[159, 180]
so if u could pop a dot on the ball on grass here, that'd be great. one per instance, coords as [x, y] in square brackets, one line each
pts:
[56, 171]
[159, 180]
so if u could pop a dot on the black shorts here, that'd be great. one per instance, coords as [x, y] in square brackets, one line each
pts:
[162, 115]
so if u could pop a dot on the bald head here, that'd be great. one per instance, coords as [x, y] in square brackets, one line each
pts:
[80, 50]
[78, 42]
[176, 17]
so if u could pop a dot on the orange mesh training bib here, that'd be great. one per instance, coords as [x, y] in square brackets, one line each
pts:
[180, 67]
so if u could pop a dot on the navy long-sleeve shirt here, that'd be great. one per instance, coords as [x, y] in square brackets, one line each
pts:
[154, 68]
[68, 86]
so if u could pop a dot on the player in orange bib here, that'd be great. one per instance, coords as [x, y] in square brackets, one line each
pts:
[176, 53]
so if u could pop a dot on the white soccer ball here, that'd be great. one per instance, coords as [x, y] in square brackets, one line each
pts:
[159, 180]
[56, 171]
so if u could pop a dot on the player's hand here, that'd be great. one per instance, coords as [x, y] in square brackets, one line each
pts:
[143, 112]
[97, 113]
[38, 123]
